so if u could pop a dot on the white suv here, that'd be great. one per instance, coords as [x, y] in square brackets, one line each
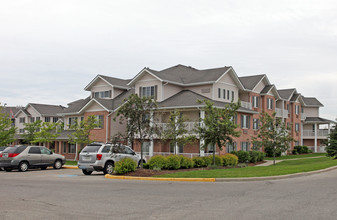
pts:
[102, 157]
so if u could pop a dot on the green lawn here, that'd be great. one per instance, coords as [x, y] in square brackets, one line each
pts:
[282, 168]
[296, 156]
[71, 162]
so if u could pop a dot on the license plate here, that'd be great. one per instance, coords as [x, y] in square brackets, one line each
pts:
[86, 158]
[5, 155]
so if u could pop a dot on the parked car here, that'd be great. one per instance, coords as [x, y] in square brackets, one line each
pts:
[2, 149]
[102, 157]
[25, 157]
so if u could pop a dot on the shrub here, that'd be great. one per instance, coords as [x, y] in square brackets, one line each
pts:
[269, 152]
[125, 165]
[218, 160]
[309, 151]
[229, 160]
[173, 162]
[254, 156]
[294, 151]
[146, 166]
[301, 149]
[243, 156]
[261, 156]
[185, 162]
[198, 162]
[157, 162]
[207, 161]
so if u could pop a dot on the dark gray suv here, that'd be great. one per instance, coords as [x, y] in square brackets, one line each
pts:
[25, 157]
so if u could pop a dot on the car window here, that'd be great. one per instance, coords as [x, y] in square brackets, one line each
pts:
[15, 150]
[106, 149]
[34, 150]
[91, 148]
[118, 149]
[128, 151]
[45, 150]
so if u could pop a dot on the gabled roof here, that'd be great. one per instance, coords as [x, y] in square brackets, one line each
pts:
[112, 81]
[185, 75]
[286, 93]
[10, 110]
[269, 88]
[47, 110]
[23, 111]
[311, 101]
[250, 82]
[75, 107]
[189, 99]
[295, 97]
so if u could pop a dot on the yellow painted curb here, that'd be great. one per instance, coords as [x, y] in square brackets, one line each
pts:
[108, 176]
[70, 167]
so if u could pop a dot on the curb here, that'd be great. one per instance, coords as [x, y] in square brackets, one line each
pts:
[108, 176]
[70, 167]
[244, 179]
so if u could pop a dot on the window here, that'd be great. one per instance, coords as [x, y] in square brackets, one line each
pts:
[219, 93]
[270, 103]
[21, 131]
[210, 148]
[22, 120]
[297, 143]
[129, 151]
[100, 121]
[230, 147]
[64, 147]
[228, 94]
[72, 121]
[288, 107]
[232, 95]
[32, 120]
[45, 150]
[180, 148]
[72, 148]
[297, 109]
[224, 93]
[255, 124]
[55, 119]
[245, 146]
[38, 119]
[297, 127]
[34, 150]
[147, 91]
[47, 119]
[245, 121]
[255, 101]
[102, 94]
[146, 147]
[82, 118]
[106, 149]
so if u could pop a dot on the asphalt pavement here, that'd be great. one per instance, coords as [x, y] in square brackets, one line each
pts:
[68, 194]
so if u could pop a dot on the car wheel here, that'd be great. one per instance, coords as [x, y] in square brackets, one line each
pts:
[57, 164]
[23, 166]
[139, 163]
[43, 168]
[108, 168]
[8, 169]
[85, 172]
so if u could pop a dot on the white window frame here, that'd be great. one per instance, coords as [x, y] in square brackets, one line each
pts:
[255, 123]
[255, 101]
[270, 104]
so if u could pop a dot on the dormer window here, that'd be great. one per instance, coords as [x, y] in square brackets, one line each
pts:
[102, 95]
[149, 91]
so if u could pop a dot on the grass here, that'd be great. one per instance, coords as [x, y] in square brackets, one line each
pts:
[71, 162]
[282, 168]
[287, 157]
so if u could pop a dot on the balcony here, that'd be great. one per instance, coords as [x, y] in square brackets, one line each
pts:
[282, 113]
[311, 134]
[190, 126]
[246, 105]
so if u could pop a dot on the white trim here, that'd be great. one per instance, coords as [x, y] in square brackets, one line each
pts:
[147, 80]
[264, 76]
[236, 78]
[142, 72]
[22, 112]
[100, 77]
[92, 100]
[227, 84]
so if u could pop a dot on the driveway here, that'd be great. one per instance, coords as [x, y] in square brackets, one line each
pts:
[67, 194]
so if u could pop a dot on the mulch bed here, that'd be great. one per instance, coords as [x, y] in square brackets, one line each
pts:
[149, 173]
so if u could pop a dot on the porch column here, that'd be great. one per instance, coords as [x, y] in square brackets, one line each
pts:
[283, 117]
[315, 137]
[202, 141]
[151, 138]
[60, 147]
[176, 147]
[302, 134]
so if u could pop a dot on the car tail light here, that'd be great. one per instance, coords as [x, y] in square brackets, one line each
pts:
[99, 156]
[0, 155]
[12, 155]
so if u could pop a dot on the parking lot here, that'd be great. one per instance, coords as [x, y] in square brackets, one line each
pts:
[68, 194]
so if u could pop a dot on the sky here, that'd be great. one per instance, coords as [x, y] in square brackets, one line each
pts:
[50, 50]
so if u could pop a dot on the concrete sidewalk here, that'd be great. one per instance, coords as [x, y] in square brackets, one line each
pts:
[271, 162]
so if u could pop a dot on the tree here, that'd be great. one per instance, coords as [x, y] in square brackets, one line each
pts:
[81, 134]
[47, 133]
[176, 131]
[7, 131]
[331, 143]
[218, 127]
[273, 134]
[30, 131]
[138, 111]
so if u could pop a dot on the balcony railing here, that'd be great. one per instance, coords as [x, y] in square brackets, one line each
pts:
[311, 133]
[246, 105]
[189, 126]
[281, 113]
